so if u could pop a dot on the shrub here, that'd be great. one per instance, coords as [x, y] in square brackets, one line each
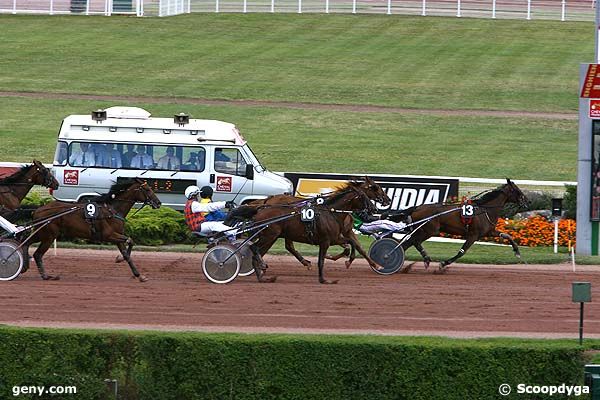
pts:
[570, 202]
[156, 227]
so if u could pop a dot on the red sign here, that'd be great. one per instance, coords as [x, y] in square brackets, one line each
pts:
[591, 84]
[71, 177]
[594, 108]
[224, 183]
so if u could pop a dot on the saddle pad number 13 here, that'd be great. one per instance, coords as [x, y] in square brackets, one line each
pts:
[467, 210]
[91, 211]
[307, 214]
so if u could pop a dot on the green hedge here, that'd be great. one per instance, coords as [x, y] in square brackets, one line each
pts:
[156, 227]
[178, 366]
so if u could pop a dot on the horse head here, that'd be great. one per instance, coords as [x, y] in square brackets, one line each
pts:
[362, 202]
[375, 192]
[144, 194]
[40, 175]
[515, 195]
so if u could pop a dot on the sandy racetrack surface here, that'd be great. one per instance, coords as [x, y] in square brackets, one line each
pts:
[469, 301]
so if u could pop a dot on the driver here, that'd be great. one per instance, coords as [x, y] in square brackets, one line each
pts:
[9, 227]
[204, 215]
[369, 224]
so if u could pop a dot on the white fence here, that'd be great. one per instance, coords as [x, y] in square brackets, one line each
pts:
[563, 10]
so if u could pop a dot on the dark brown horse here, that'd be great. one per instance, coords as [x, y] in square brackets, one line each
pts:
[102, 220]
[340, 200]
[485, 212]
[15, 187]
[326, 228]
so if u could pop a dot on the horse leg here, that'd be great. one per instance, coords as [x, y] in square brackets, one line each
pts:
[444, 264]
[122, 258]
[38, 257]
[322, 251]
[126, 252]
[344, 253]
[352, 256]
[289, 246]
[423, 253]
[506, 236]
[25, 251]
[259, 249]
[353, 240]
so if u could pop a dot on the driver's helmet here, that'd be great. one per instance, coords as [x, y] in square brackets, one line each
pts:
[206, 192]
[191, 191]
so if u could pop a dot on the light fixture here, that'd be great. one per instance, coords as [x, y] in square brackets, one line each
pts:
[193, 133]
[166, 131]
[139, 130]
[85, 128]
[112, 129]
[99, 116]
[181, 119]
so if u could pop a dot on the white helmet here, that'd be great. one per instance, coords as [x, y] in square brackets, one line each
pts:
[192, 191]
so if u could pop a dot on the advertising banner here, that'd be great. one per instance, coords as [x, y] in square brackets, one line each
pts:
[404, 191]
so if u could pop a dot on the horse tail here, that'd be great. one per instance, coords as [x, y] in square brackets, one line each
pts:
[242, 213]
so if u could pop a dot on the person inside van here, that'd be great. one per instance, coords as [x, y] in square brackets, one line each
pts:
[128, 155]
[169, 161]
[83, 158]
[204, 215]
[112, 157]
[192, 164]
[141, 159]
[99, 154]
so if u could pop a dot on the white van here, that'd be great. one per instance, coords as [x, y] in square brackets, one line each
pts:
[95, 151]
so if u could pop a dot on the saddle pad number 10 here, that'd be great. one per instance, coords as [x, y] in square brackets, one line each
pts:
[91, 211]
[307, 214]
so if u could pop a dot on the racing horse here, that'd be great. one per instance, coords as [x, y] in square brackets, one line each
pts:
[327, 226]
[15, 187]
[102, 220]
[485, 213]
[335, 200]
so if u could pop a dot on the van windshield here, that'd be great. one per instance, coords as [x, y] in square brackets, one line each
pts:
[132, 156]
[253, 160]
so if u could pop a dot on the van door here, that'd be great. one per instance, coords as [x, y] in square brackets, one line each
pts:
[228, 176]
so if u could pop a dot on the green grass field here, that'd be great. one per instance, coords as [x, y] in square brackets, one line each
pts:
[415, 62]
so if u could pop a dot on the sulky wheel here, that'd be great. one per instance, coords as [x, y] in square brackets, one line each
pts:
[245, 254]
[11, 260]
[389, 254]
[221, 264]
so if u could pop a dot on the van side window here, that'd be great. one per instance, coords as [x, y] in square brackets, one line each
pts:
[60, 156]
[229, 161]
[167, 158]
[81, 154]
[194, 159]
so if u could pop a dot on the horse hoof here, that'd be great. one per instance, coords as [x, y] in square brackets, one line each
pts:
[51, 278]
[307, 264]
[119, 259]
[143, 278]
[348, 264]
[270, 279]
[406, 270]
[328, 282]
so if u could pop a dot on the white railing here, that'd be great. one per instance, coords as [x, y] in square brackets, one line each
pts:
[563, 10]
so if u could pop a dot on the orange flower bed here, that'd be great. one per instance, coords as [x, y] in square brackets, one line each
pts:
[537, 231]
[534, 231]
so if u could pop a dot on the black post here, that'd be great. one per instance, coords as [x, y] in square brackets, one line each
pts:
[581, 323]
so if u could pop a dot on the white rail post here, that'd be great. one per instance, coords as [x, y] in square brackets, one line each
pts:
[563, 10]
[528, 9]
[189, 6]
[51, 7]
[555, 235]
[299, 6]
[353, 6]
[14, 11]
[389, 10]
[216, 6]
[245, 6]
[458, 8]
[272, 6]
[326, 6]
[494, 9]
[424, 10]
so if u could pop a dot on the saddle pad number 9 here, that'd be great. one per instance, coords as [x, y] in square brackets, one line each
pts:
[307, 214]
[91, 211]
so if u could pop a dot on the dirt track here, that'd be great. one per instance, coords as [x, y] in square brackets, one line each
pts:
[529, 301]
